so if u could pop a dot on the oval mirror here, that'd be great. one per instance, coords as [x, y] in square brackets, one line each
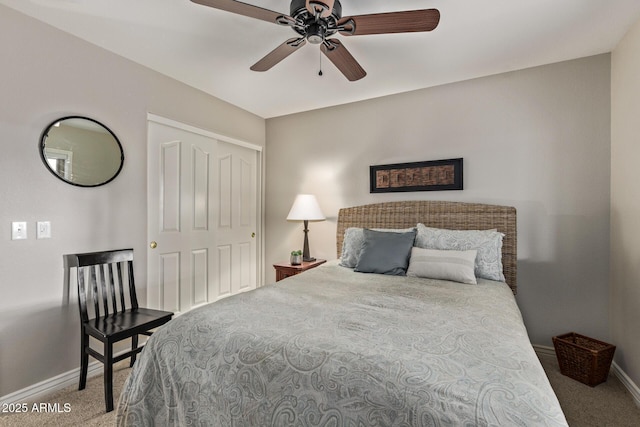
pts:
[81, 151]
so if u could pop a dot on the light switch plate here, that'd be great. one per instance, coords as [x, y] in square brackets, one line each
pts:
[18, 230]
[43, 230]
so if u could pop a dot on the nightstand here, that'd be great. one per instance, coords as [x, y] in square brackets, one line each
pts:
[285, 269]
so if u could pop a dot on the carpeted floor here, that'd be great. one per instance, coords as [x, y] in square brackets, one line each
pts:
[606, 405]
[86, 406]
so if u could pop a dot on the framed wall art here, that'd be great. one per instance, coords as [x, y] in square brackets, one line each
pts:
[431, 175]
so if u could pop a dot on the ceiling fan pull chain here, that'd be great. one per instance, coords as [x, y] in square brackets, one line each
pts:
[320, 53]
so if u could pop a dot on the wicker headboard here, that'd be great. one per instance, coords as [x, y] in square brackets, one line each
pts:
[450, 215]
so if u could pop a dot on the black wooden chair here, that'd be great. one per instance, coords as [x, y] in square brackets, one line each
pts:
[109, 311]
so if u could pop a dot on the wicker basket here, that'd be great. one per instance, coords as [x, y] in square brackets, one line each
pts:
[584, 359]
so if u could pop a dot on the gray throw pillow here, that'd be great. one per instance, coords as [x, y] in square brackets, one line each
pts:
[352, 243]
[385, 252]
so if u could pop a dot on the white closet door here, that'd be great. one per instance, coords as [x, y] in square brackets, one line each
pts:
[203, 216]
[236, 196]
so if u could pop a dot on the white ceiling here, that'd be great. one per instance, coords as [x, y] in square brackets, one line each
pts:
[212, 50]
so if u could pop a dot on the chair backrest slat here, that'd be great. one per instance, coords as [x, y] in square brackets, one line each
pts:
[104, 296]
[112, 290]
[94, 288]
[82, 295]
[121, 286]
[132, 287]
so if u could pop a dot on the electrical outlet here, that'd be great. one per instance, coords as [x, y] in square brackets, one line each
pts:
[18, 230]
[43, 230]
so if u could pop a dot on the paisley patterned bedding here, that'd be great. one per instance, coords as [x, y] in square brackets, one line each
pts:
[332, 347]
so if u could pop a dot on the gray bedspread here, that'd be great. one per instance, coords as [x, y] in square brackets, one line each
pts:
[332, 347]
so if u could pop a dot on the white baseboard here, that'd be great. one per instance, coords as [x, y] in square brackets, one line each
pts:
[627, 382]
[544, 350]
[617, 371]
[36, 392]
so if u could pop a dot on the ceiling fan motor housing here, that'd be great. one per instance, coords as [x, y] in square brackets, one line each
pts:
[315, 28]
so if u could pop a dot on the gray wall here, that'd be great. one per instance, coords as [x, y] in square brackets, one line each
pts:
[537, 139]
[625, 203]
[47, 74]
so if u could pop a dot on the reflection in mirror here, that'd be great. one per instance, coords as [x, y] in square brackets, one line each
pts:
[81, 151]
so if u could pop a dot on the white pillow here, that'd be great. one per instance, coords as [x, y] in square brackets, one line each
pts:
[488, 243]
[457, 266]
[353, 240]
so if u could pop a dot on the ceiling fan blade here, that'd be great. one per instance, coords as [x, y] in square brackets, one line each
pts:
[278, 54]
[342, 59]
[243, 9]
[393, 22]
[323, 6]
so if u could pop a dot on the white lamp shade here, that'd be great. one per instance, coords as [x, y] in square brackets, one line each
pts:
[305, 208]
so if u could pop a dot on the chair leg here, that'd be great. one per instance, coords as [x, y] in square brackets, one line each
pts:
[108, 376]
[134, 345]
[84, 360]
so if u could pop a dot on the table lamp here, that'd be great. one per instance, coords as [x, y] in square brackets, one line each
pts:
[305, 208]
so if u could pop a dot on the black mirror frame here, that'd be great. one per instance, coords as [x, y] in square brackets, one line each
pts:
[43, 157]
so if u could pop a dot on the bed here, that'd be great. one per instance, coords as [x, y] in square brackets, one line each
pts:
[343, 346]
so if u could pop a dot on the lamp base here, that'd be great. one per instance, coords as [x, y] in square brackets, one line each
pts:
[306, 256]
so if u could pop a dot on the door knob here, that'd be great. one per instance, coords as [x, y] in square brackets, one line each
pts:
[253, 235]
[153, 245]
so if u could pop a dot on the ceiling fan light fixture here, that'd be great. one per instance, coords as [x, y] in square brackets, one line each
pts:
[315, 33]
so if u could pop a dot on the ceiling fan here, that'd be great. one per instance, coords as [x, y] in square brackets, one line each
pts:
[317, 20]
